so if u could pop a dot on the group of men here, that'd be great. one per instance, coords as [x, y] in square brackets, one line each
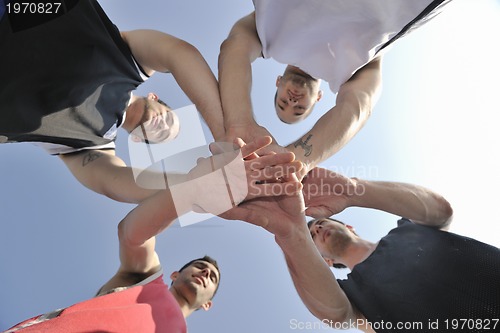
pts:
[74, 106]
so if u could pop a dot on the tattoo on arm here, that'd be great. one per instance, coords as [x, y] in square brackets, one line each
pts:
[307, 148]
[90, 157]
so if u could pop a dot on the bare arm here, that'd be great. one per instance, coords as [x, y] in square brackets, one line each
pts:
[338, 192]
[417, 203]
[105, 173]
[316, 285]
[138, 259]
[237, 53]
[355, 101]
[137, 230]
[157, 51]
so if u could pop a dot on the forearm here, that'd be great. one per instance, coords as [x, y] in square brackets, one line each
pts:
[355, 101]
[235, 84]
[237, 53]
[414, 202]
[104, 173]
[195, 78]
[330, 134]
[155, 214]
[313, 279]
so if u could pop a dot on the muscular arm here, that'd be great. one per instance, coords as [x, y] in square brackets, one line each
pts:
[237, 53]
[355, 101]
[313, 279]
[157, 51]
[338, 192]
[105, 173]
[137, 230]
[417, 203]
[316, 285]
[136, 234]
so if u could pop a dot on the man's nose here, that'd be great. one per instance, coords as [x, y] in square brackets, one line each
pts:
[205, 272]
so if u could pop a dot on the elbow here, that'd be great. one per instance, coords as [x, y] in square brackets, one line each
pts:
[124, 236]
[439, 214]
[333, 319]
[445, 213]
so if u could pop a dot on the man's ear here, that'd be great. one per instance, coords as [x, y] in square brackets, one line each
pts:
[206, 306]
[174, 276]
[320, 94]
[278, 79]
[329, 261]
[153, 96]
[351, 228]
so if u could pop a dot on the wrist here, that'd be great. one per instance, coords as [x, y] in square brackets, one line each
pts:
[184, 196]
[293, 239]
[360, 187]
[241, 123]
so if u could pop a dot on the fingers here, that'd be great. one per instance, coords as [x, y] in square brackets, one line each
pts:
[273, 189]
[255, 145]
[275, 173]
[244, 214]
[269, 160]
[318, 212]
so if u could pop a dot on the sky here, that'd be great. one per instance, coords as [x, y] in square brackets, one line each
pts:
[435, 124]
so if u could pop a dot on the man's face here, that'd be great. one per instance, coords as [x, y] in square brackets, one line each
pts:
[197, 283]
[296, 95]
[331, 238]
[158, 122]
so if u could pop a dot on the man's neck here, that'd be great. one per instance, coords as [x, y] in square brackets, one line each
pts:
[183, 303]
[358, 252]
[132, 116]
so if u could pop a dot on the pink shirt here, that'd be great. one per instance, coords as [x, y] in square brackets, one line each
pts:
[144, 308]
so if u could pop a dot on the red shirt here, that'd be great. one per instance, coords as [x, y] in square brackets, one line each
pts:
[149, 308]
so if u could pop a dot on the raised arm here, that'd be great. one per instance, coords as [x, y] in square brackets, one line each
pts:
[157, 51]
[105, 173]
[237, 52]
[137, 230]
[327, 193]
[355, 101]
[313, 279]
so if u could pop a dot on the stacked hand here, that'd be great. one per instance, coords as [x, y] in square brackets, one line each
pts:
[232, 175]
[327, 193]
[324, 192]
[250, 133]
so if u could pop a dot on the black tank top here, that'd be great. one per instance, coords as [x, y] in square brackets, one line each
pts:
[65, 81]
[418, 274]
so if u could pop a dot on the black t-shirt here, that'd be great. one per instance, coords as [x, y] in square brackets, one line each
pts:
[66, 80]
[419, 274]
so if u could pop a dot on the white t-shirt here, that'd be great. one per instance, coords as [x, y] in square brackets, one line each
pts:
[331, 39]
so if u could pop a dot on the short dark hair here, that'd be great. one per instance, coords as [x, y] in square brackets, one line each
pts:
[309, 225]
[209, 260]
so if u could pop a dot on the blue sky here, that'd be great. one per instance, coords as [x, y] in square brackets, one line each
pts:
[436, 124]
